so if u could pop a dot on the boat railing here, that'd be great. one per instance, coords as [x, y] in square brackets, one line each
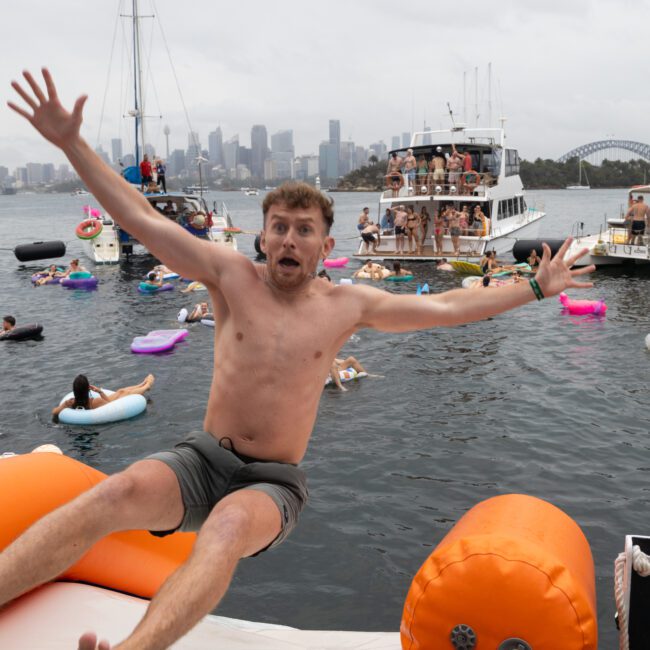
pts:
[454, 184]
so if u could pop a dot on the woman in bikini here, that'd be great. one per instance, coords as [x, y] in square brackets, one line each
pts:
[412, 226]
[83, 400]
[438, 231]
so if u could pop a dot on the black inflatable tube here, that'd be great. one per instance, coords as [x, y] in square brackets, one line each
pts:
[521, 249]
[39, 250]
[22, 332]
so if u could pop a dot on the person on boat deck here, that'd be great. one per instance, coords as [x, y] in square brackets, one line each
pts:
[161, 170]
[410, 164]
[74, 267]
[364, 219]
[387, 223]
[343, 364]
[155, 278]
[400, 228]
[636, 219]
[146, 173]
[169, 210]
[533, 259]
[264, 398]
[201, 310]
[8, 323]
[371, 237]
[370, 268]
[50, 273]
[82, 398]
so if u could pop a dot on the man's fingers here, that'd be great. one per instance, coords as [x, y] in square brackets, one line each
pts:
[563, 249]
[36, 89]
[28, 100]
[583, 270]
[581, 285]
[546, 252]
[20, 111]
[49, 84]
[574, 258]
[79, 106]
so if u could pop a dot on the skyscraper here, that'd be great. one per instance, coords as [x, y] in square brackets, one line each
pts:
[394, 143]
[283, 153]
[116, 150]
[259, 150]
[406, 139]
[335, 142]
[215, 146]
[231, 154]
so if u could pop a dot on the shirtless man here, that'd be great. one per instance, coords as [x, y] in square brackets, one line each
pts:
[364, 218]
[454, 167]
[400, 228]
[272, 353]
[437, 169]
[637, 217]
[371, 237]
[370, 269]
[394, 174]
[410, 163]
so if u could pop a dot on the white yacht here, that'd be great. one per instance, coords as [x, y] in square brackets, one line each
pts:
[113, 243]
[614, 243]
[493, 184]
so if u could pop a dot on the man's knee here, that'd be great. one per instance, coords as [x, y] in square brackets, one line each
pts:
[117, 490]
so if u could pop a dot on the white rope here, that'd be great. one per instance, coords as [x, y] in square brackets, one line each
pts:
[640, 564]
[619, 595]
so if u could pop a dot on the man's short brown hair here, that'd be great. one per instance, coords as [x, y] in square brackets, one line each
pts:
[300, 195]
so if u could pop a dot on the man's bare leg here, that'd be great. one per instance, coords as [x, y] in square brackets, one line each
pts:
[146, 495]
[239, 525]
[351, 362]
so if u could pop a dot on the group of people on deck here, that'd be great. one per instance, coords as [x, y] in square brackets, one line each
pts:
[411, 227]
[147, 169]
[454, 172]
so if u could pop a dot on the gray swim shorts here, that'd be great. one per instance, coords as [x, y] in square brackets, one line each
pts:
[207, 472]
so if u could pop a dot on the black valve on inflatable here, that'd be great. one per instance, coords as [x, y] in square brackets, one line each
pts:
[39, 250]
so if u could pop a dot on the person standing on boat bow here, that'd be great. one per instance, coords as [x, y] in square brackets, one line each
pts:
[273, 351]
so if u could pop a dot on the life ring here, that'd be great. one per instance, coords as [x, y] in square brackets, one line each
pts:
[89, 229]
[471, 177]
[391, 176]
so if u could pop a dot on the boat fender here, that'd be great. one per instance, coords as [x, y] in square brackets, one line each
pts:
[522, 247]
[39, 250]
[529, 557]
[647, 341]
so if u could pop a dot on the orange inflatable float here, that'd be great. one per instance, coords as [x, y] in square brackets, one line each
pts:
[134, 562]
[515, 572]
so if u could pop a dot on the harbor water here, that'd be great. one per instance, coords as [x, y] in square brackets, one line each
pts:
[533, 401]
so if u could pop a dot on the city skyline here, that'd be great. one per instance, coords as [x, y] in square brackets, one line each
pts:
[289, 71]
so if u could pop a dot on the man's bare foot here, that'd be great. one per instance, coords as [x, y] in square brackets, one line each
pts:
[148, 381]
[88, 641]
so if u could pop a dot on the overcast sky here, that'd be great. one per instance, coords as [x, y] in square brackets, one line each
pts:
[564, 72]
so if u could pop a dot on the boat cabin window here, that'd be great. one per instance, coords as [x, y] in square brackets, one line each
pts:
[512, 162]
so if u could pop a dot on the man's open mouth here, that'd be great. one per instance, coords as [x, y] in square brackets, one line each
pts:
[288, 261]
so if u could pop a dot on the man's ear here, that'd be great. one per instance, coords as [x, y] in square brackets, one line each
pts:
[263, 241]
[328, 246]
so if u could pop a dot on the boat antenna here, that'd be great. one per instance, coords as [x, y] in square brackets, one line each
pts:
[451, 115]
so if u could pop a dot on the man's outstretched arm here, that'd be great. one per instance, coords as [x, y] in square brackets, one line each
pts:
[186, 254]
[394, 313]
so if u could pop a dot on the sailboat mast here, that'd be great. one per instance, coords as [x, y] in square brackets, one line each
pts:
[137, 84]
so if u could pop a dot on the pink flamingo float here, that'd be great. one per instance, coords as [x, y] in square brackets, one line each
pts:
[580, 307]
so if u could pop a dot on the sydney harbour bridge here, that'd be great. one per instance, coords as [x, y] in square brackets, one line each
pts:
[596, 152]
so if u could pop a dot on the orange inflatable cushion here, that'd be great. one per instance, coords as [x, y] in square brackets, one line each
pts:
[134, 562]
[512, 567]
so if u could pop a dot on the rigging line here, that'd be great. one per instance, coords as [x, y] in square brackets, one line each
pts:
[108, 76]
[171, 63]
[150, 80]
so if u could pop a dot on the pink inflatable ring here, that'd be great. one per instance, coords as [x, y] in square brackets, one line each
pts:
[580, 307]
[335, 262]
